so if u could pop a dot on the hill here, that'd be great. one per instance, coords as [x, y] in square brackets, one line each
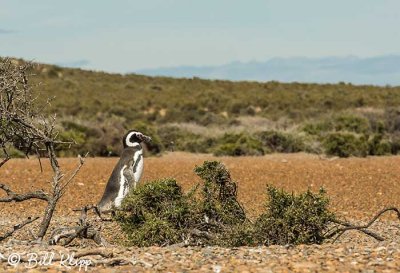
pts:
[222, 117]
[380, 70]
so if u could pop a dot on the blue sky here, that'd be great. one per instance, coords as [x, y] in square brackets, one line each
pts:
[123, 36]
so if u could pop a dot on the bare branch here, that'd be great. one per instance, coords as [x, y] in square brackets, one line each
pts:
[7, 156]
[4, 161]
[18, 226]
[75, 172]
[14, 197]
[84, 230]
[363, 228]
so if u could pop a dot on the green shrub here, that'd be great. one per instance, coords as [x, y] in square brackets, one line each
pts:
[395, 144]
[376, 123]
[212, 119]
[159, 213]
[392, 119]
[351, 123]
[186, 111]
[77, 138]
[174, 138]
[345, 145]
[238, 145]
[219, 194]
[379, 146]
[293, 219]
[99, 139]
[238, 235]
[281, 142]
[155, 213]
[342, 123]
[317, 128]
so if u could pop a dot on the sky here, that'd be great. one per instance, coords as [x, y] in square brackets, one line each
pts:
[128, 35]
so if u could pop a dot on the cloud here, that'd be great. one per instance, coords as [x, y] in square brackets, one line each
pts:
[76, 63]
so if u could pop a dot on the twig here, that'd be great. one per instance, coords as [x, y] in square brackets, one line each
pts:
[12, 196]
[72, 176]
[38, 157]
[363, 228]
[18, 226]
[84, 230]
[7, 156]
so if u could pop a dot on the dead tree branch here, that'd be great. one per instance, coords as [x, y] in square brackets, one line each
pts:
[84, 230]
[6, 155]
[24, 126]
[14, 197]
[338, 232]
[17, 227]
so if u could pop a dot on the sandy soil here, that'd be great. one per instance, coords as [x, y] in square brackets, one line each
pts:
[358, 187]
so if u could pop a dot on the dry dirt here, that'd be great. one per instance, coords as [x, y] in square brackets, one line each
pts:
[358, 187]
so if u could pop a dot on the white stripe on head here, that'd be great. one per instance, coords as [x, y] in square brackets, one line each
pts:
[128, 142]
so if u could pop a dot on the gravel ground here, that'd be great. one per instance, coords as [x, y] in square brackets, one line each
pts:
[358, 188]
[342, 257]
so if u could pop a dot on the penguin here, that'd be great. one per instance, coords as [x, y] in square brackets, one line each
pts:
[126, 173]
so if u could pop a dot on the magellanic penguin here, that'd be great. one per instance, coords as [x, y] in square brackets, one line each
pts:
[126, 173]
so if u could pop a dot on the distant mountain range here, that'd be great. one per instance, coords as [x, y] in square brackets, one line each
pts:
[380, 70]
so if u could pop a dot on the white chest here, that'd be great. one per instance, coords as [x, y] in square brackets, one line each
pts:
[126, 173]
[137, 166]
[123, 188]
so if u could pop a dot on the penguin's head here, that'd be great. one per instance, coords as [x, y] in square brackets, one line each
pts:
[134, 138]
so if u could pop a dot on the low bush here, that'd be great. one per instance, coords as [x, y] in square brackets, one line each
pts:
[351, 123]
[392, 119]
[174, 138]
[155, 213]
[341, 123]
[77, 138]
[316, 128]
[395, 144]
[219, 194]
[212, 119]
[159, 213]
[379, 146]
[346, 144]
[293, 219]
[238, 145]
[281, 142]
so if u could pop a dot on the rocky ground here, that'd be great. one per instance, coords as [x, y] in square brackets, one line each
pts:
[358, 187]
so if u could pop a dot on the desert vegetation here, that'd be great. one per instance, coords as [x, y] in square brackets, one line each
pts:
[219, 117]
[160, 212]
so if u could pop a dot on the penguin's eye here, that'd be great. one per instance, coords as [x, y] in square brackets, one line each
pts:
[135, 138]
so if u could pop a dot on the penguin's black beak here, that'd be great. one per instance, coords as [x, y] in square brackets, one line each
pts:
[146, 139]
